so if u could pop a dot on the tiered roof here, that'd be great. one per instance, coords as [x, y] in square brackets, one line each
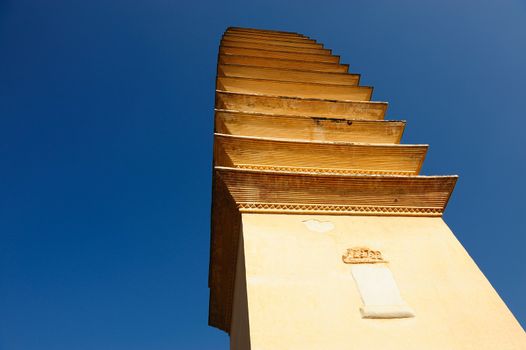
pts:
[296, 133]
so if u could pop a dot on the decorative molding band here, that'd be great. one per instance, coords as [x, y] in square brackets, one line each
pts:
[336, 209]
[324, 170]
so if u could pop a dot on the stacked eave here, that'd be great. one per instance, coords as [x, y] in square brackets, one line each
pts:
[296, 133]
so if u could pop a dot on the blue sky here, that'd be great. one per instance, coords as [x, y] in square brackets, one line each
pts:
[106, 144]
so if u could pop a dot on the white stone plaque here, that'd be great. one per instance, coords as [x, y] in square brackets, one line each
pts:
[380, 295]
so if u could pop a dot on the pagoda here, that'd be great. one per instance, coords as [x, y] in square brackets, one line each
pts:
[324, 235]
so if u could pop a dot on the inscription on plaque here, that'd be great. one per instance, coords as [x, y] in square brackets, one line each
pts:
[363, 255]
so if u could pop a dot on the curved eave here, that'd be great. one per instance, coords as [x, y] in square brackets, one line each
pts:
[308, 128]
[317, 156]
[261, 103]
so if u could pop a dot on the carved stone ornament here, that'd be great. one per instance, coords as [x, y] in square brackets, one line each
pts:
[363, 255]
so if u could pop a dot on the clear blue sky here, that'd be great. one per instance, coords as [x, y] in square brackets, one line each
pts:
[106, 144]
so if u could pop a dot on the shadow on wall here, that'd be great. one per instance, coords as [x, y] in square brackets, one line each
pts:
[240, 327]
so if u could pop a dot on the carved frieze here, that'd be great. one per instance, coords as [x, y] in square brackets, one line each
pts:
[363, 255]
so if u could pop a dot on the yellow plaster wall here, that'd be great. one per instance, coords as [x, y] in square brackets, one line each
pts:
[300, 295]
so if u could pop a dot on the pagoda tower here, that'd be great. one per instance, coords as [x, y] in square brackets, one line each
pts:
[324, 235]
